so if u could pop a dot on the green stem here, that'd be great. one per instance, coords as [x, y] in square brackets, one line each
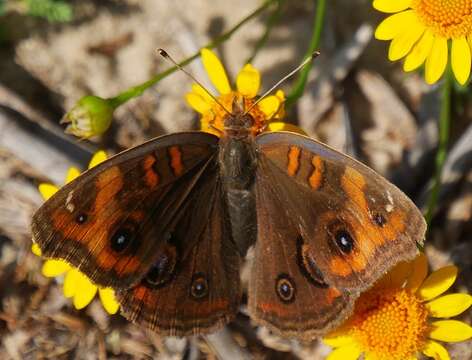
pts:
[273, 19]
[299, 87]
[139, 89]
[444, 123]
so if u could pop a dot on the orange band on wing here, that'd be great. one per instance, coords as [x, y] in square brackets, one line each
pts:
[176, 160]
[139, 293]
[353, 184]
[369, 236]
[125, 265]
[332, 294]
[316, 177]
[293, 160]
[342, 267]
[151, 176]
[108, 184]
[97, 245]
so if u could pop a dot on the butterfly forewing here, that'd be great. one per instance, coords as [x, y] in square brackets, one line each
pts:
[110, 221]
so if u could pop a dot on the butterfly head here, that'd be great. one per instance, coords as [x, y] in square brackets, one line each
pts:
[238, 122]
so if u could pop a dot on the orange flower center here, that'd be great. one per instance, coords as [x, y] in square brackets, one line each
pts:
[216, 117]
[389, 324]
[450, 19]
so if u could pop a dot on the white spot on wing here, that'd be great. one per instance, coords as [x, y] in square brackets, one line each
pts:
[69, 204]
[389, 207]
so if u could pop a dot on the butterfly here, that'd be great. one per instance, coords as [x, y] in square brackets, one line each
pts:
[168, 223]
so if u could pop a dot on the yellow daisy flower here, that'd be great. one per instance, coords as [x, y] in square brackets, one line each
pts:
[76, 285]
[420, 31]
[267, 113]
[397, 318]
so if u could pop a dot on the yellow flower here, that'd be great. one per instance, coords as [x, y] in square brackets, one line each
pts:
[420, 31]
[91, 116]
[76, 285]
[395, 320]
[265, 113]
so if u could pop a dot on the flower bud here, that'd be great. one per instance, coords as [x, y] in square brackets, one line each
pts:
[91, 116]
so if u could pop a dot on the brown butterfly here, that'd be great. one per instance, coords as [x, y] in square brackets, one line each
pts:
[167, 224]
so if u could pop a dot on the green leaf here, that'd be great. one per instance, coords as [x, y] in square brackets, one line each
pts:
[51, 10]
[2, 7]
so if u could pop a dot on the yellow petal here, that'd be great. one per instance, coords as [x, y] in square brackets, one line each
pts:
[281, 95]
[438, 282]
[461, 59]
[85, 292]
[436, 351]
[281, 113]
[396, 277]
[248, 81]
[394, 25]
[338, 340]
[282, 126]
[449, 305]
[450, 331]
[420, 270]
[35, 249]
[404, 41]
[205, 124]
[216, 71]
[97, 158]
[349, 352]
[419, 52]
[436, 61]
[469, 39]
[107, 297]
[391, 6]
[47, 190]
[269, 106]
[400, 273]
[53, 268]
[197, 89]
[72, 174]
[70, 282]
[197, 103]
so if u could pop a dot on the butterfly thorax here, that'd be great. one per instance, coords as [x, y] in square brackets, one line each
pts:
[237, 156]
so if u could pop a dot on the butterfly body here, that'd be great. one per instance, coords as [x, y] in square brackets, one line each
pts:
[167, 224]
[237, 160]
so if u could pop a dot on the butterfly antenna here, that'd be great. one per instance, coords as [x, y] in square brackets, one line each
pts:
[169, 58]
[294, 71]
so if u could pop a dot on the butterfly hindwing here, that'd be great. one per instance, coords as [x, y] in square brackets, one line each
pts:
[110, 220]
[284, 293]
[187, 294]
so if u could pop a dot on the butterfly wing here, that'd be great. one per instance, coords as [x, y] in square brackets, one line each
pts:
[202, 291]
[282, 294]
[111, 221]
[344, 227]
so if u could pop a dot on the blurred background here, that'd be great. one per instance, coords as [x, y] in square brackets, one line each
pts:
[54, 52]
